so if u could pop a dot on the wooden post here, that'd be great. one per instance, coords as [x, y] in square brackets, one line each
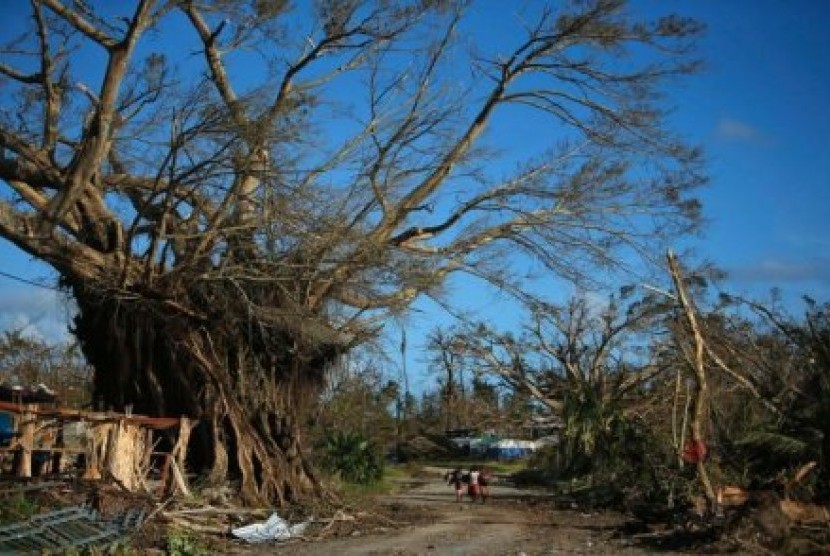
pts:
[57, 456]
[147, 458]
[165, 473]
[27, 441]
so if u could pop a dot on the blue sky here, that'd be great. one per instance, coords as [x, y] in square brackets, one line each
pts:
[758, 108]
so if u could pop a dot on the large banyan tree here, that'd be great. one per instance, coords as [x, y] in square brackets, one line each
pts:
[236, 192]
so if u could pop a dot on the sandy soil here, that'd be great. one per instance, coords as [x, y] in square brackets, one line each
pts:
[512, 522]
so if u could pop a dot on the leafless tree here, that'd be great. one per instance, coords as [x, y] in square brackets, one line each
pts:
[589, 364]
[31, 362]
[237, 192]
[449, 361]
[603, 350]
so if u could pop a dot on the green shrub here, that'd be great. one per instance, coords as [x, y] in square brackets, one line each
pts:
[354, 457]
[182, 544]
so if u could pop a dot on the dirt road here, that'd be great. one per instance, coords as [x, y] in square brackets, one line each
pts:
[512, 522]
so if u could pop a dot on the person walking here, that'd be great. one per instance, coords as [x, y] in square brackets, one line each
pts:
[456, 479]
[474, 489]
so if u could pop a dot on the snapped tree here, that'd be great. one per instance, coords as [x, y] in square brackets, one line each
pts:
[237, 192]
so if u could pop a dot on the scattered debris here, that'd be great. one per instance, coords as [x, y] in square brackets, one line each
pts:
[38, 440]
[732, 496]
[806, 513]
[75, 527]
[29, 487]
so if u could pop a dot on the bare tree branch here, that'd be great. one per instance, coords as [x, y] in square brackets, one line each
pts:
[81, 24]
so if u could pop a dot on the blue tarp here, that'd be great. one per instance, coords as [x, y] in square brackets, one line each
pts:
[510, 449]
[6, 428]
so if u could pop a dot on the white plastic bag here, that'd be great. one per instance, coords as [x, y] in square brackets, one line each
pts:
[275, 529]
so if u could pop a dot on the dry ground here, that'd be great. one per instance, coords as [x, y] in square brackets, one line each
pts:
[512, 522]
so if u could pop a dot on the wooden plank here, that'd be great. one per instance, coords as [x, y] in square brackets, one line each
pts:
[70, 414]
[14, 449]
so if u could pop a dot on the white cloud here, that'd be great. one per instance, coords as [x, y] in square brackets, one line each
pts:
[38, 313]
[778, 271]
[730, 129]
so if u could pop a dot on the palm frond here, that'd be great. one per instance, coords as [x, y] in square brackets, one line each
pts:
[775, 444]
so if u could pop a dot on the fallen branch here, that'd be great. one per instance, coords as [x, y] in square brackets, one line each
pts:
[212, 510]
[198, 527]
[178, 478]
[156, 511]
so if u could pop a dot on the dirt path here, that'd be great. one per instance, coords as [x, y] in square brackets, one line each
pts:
[512, 522]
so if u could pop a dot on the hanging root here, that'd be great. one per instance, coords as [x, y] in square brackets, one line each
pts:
[246, 390]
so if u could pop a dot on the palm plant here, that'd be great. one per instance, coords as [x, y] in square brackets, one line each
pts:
[592, 423]
[353, 457]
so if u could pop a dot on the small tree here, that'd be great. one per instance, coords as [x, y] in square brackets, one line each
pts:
[358, 399]
[353, 456]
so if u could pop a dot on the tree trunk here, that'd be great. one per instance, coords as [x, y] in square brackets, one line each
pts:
[246, 386]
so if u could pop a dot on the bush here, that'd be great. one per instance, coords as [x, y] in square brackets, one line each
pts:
[354, 457]
[631, 465]
[181, 544]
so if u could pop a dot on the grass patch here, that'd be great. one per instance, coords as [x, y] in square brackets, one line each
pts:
[400, 472]
[356, 490]
[17, 508]
[389, 483]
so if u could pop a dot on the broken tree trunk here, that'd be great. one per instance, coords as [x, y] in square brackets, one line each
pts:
[96, 450]
[700, 398]
[127, 458]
